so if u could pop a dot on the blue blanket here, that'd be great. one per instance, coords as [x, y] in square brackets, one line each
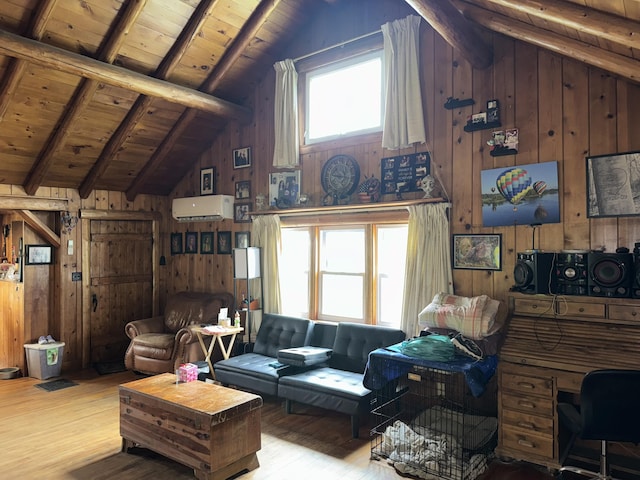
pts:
[386, 364]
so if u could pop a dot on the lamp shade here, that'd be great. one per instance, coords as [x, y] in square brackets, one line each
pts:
[246, 262]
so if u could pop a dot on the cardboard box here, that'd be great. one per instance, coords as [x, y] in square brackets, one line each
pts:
[188, 372]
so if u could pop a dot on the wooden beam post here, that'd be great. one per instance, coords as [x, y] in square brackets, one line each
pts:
[459, 32]
[69, 62]
[626, 67]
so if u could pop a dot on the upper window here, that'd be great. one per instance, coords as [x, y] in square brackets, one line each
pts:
[344, 99]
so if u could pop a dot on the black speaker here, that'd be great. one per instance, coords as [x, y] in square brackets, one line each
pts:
[533, 272]
[610, 274]
[571, 272]
[635, 284]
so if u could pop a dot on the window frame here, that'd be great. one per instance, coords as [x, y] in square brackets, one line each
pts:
[368, 47]
[370, 310]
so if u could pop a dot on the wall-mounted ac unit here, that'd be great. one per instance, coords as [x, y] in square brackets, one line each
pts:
[208, 208]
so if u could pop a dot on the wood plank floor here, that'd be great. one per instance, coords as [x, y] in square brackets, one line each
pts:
[74, 434]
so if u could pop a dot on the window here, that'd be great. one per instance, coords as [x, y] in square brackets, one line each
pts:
[344, 98]
[344, 273]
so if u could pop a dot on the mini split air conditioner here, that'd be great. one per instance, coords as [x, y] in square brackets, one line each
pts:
[208, 208]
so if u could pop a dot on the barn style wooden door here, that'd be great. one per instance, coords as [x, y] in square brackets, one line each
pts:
[119, 284]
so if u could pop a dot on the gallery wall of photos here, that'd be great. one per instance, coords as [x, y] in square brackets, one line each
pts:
[208, 243]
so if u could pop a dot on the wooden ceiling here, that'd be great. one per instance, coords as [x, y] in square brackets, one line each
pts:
[124, 95]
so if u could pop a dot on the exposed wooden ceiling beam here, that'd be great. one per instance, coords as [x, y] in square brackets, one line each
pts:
[33, 203]
[82, 96]
[618, 64]
[241, 42]
[17, 66]
[456, 30]
[139, 108]
[610, 27]
[69, 62]
[40, 227]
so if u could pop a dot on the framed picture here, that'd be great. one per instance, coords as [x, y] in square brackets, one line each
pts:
[520, 195]
[243, 190]
[191, 242]
[39, 254]
[176, 243]
[284, 189]
[207, 178]
[613, 185]
[224, 243]
[242, 157]
[477, 252]
[206, 243]
[243, 239]
[241, 212]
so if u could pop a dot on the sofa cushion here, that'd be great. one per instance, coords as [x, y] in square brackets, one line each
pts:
[326, 380]
[251, 371]
[278, 332]
[354, 342]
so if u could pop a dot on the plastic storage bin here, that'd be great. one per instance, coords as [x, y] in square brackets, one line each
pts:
[44, 361]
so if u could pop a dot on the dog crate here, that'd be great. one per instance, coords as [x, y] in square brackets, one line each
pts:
[432, 427]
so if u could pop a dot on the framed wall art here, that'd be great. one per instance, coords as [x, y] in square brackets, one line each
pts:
[39, 254]
[191, 242]
[242, 157]
[520, 195]
[206, 243]
[613, 185]
[243, 190]
[404, 172]
[207, 179]
[477, 252]
[241, 212]
[224, 243]
[176, 243]
[243, 239]
[284, 189]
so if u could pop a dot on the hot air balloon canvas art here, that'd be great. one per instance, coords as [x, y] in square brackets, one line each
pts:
[520, 195]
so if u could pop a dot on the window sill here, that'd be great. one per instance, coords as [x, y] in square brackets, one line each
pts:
[350, 208]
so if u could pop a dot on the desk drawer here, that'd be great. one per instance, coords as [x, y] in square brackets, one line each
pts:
[530, 443]
[581, 309]
[534, 424]
[528, 404]
[534, 306]
[624, 312]
[526, 384]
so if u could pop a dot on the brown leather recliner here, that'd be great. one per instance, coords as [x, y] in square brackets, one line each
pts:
[160, 344]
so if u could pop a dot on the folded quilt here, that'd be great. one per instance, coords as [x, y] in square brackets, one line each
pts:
[473, 317]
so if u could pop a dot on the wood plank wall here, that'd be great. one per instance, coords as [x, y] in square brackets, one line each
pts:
[563, 109]
[63, 319]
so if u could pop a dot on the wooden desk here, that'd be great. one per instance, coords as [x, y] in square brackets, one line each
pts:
[550, 344]
[213, 429]
[219, 333]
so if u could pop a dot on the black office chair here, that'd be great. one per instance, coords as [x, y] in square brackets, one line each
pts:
[609, 412]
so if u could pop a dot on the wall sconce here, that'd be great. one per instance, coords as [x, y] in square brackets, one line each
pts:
[68, 221]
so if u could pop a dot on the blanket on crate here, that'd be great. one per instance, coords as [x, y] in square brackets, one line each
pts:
[439, 443]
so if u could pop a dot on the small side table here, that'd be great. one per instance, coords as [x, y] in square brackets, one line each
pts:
[217, 331]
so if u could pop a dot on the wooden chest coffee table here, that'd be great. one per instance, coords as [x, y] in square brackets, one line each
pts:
[213, 429]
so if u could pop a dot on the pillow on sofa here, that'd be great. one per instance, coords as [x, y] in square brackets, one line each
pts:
[473, 317]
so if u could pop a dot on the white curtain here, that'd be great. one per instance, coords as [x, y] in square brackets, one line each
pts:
[404, 120]
[428, 269]
[265, 233]
[286, 152]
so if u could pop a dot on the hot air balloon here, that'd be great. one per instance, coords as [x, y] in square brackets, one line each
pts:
[540, 187]
[514, 184]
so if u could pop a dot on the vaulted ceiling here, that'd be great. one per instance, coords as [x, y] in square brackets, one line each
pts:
[124, 95]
